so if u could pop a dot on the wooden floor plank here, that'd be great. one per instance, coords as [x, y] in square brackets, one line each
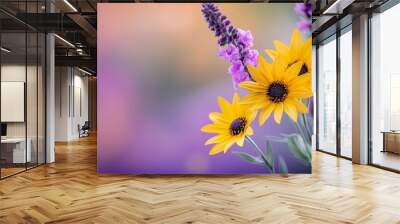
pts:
[70, 191]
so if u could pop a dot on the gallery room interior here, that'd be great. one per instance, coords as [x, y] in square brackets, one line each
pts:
[199, 112]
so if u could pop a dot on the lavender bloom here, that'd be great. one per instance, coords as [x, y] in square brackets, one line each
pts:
[240, 72]
[230, 53]
[304, 9]
[235, 43]
[219, 24]
[246, 38]
[304, 25]
[252, 57]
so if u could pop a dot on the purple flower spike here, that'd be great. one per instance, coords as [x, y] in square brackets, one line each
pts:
[246, 38]
[304, 9]
[304, 25]
[230, 53]
[235, 43]
[252, 57]
[236, 68]
[218, 23]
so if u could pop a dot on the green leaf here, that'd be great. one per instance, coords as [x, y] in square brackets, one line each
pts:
[296, 144]
[291, 135]
[282, 166]
[268, 154]
[299, 149]
[277, 139]
[249, 158]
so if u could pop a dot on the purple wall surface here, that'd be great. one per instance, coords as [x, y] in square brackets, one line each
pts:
[159, 75]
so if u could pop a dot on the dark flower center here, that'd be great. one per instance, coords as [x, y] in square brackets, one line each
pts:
[237, 126]
[303, 69]
[277, 91]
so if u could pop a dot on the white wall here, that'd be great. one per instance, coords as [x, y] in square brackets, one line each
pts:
[62, 82]
[80, 110]
[71, 93]
[33, 127]
[17, 73]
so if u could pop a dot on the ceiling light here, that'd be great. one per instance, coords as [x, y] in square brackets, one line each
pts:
[5, 50]
[65, 41]
[70, 5]
[84, 71]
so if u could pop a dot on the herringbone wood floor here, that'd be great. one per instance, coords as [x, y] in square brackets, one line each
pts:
[70, 191]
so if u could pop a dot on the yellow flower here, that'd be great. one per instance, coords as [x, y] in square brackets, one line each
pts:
[231, 125]
[298, 51]
[277, 88]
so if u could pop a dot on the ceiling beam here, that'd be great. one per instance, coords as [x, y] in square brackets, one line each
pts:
[82, 61]
[84, 24]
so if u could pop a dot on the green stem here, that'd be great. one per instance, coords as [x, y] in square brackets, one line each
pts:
[300, 130]
[305, 121]
[309, 135]
[252, 142]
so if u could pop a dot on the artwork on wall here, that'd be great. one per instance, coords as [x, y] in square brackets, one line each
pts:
[12, 101]
[204, 88]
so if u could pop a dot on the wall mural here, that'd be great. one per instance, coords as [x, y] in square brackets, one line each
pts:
[204, 88]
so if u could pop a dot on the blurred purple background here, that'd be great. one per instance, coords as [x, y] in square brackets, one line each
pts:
[159, 76]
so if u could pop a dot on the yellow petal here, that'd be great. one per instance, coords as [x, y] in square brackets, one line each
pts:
[264, 115]
[252, 86]
[240, 141]
[307, 59]
[307, 48]
[235, 98]
[278, 113]
[300, 94]
[217, 117]
[271, 53]
[217, 139]
[265, 68]
[279, 68]
[254, 100]
[302, 87]
[309, 66]
[214, 116]
[249, 131]
[256, 74]
[217, 148]
[213, 128]
[300, 106]
[251, 115]
[224, 105]
[228, 146]
[281, 47]
[293, 71]
[290, 110]
[302, 80]
[296, 41]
